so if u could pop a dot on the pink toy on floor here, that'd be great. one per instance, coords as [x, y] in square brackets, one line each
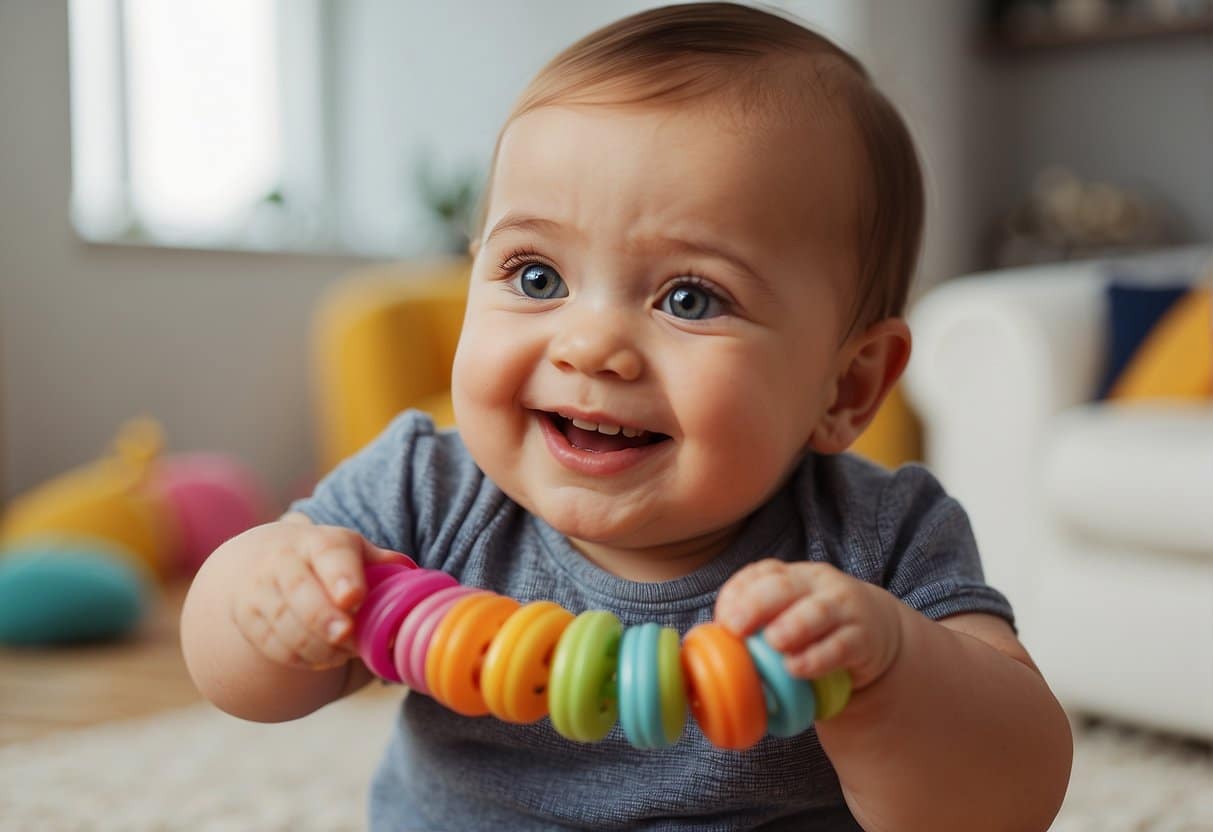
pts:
[214, 497]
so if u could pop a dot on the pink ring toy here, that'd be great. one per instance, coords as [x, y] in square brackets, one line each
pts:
[377, 573]
[386, 606]
[413, 644]
[379, 601]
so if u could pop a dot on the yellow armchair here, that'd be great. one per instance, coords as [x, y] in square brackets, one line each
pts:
[384, 341]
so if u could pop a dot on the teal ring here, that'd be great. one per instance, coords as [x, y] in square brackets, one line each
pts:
[791, 703]
[640, 688]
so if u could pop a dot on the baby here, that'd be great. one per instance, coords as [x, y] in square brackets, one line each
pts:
[684, 306]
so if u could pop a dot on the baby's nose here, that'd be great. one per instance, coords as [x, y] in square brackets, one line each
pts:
[600, 348]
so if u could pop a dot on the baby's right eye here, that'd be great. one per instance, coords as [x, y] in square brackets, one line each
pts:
[541, 282]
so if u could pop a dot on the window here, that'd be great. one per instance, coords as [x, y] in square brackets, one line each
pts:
[179, 113]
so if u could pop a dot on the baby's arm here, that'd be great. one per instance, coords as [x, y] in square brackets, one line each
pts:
[951, 726]
[255, 628]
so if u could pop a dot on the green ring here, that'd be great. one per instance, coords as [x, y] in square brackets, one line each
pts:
[833, 691]
[672, 685]
[582, 700]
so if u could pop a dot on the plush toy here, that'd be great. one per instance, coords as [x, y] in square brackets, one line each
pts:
[60, 591]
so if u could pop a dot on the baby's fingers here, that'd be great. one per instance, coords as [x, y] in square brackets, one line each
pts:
[841, 648]
[313, 612]
[758, 593]
[336, 557]
[267, 622]
[810, 618]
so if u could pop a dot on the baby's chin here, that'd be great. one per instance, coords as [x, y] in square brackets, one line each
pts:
[639, 534]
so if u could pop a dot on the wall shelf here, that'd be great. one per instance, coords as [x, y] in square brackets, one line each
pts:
[1114, 31]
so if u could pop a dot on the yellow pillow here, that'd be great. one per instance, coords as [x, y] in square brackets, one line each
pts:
[1176, 359]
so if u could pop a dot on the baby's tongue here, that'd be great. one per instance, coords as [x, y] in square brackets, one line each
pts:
[592, 440]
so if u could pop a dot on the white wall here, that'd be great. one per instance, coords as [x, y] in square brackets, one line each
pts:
[212, 344]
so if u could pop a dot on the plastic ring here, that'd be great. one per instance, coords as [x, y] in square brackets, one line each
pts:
[833, 692]
[413, 640]
[378, 620]
[672, 683]
[375, 573]
[791, 702]
[514, 678]
[652, 696]
[452, 666]
[724, 689]
[581, 693]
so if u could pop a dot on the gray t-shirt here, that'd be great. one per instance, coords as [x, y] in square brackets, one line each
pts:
[417, 490]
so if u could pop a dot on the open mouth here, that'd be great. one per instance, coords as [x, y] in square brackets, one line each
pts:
[602, 437]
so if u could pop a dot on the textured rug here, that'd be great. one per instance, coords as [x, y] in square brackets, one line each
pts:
[199, 770]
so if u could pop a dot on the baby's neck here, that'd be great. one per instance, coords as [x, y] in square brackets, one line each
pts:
[657, 563]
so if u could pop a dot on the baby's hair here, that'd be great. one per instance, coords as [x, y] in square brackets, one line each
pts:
[756, 61]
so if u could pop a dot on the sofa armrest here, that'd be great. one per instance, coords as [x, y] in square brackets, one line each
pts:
[996, 356]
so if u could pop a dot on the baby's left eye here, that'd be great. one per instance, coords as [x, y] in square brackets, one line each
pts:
[691, 302]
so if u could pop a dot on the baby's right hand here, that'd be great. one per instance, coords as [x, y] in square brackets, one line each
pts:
[296, 602]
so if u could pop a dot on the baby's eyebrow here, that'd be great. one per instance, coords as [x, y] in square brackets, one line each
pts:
[687, 245]
[514, 221]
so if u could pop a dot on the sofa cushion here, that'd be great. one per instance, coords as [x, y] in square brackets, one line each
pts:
[1175, 360]
[1133, 311]
[1137, 475]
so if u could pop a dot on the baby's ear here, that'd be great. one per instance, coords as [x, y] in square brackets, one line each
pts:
[871, 362]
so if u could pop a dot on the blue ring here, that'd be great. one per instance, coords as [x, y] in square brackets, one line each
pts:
[639, 688]
[791, 704]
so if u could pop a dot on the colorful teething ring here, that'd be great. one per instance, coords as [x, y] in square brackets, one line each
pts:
[452, 666]
[478, 652]
[581, 695]
[652, 693]
[723, 687]
[386, 605]
[791, 703]
[413, 642]
[517, 668]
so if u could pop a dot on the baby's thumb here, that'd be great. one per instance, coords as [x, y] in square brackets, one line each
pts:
[377, 554]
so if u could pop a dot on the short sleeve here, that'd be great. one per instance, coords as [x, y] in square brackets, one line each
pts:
[369, 492]
[931, 557]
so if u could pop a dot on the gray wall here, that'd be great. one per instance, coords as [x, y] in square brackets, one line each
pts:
[212, 344]
[1138, 115]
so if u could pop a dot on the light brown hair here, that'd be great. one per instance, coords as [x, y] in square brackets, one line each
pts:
[736, 53]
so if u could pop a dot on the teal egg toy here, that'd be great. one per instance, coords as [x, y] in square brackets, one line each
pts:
[69, 591]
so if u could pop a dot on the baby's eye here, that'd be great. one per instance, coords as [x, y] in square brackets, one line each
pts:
[691, 302]
[541, 282]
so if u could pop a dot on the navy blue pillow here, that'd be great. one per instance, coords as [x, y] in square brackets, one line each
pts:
[1133, 309]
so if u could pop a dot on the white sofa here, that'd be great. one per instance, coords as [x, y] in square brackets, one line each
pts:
[1095, 520]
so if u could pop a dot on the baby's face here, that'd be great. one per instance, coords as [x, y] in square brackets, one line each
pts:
[655, 316]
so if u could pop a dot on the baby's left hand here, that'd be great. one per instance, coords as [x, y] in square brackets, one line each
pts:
[819, 617]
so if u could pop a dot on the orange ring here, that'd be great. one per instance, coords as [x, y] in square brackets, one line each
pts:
[514, 676]
[452, 667]
[723, 687]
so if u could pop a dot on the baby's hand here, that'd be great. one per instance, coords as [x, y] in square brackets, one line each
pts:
[304, 582]
[819, 617]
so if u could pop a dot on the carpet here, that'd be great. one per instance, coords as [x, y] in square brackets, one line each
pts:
[197, 769]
